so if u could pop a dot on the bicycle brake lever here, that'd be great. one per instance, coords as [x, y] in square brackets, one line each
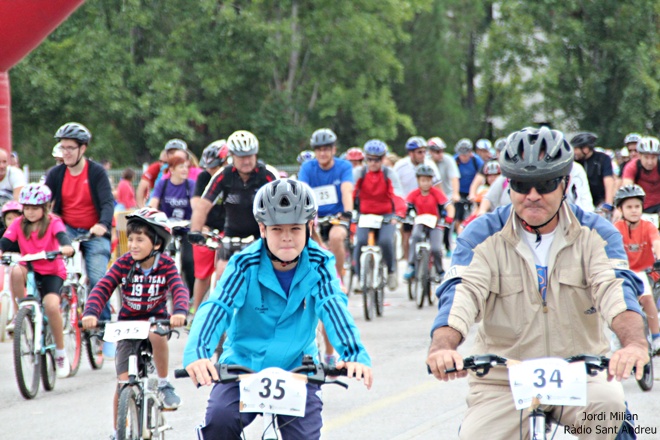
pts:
[337, 382]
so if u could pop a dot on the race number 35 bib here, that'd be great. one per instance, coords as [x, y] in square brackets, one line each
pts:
[326, 195]
[274, 391]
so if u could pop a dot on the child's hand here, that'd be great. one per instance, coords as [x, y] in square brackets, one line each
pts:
[89, 322]
[358, 371]
[177, 320]
[67, 251]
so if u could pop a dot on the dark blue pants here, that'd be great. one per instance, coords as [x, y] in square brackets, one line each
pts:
[224, 421]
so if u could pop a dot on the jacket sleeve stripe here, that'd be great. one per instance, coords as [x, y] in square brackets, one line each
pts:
[341, 327]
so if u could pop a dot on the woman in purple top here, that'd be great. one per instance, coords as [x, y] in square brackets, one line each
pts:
[172, 196]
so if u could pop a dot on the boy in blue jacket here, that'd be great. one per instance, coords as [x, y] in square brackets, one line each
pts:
[269, 301]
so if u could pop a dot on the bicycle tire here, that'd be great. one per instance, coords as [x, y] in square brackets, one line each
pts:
[26, 363]
[5, 304]
[128, 415]
[70, 330]
[368, 294]
[421, 277]
[94, 349]
[47, 363]
[380, 292]
[411, 288]
[646, 382]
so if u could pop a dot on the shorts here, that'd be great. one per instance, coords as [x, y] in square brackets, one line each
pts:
[48, 284]
[648, 289]
[204, 262]
[125, 348]
[462, 208]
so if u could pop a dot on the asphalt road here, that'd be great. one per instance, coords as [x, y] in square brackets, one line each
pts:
[404, 403]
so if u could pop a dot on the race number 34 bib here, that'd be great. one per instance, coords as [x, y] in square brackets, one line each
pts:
[553, 381]
[274, 391]
[326, 195]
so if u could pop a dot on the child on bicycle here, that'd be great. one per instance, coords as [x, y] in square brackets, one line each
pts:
[428, 200]
[35, 231]
[146, 276]
[269, 300]
[11, 210]
[642, 243]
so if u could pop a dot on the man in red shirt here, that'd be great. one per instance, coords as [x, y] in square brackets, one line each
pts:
[156, 170]
[82, 196]
[645, 172]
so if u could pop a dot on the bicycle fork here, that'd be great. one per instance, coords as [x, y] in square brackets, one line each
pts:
[39, 321]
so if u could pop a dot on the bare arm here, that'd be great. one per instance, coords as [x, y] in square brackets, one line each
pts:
[199, 214]
[141, 193]
[609, 189]
[17, 192]
[347, 196]
[627, 181]
[629, 328]
[443, 354]
[455, 189]
[154, 202]
[478, 180]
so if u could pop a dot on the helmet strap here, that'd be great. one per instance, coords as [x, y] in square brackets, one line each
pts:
[536, 229]
[274, 257]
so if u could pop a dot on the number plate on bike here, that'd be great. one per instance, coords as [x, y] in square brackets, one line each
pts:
[653, 218]
[274, 391]
[370, 221]
[116, 331]
[428, 220]
[551, 380]
[326, 195]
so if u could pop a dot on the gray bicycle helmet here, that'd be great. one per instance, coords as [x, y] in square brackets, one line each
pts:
[75, 131]
[500, 144]
[464, 146]
[243, 143]
[322, 137]
[424, 170]
[535, 155]
[648, 145]
[483, 144]
[284, 202]
[628, 192]
[176, 144]
[584, 139]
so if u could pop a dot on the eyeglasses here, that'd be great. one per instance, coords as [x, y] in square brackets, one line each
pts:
[374, 159]
[69, 149]
[541, 187]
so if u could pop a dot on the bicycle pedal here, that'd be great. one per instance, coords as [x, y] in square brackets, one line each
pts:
[169, 409]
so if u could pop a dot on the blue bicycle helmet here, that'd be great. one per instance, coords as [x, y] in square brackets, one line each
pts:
[375, 147]
[415, 142]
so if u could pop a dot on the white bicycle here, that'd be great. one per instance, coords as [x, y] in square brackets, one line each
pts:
[7, 304]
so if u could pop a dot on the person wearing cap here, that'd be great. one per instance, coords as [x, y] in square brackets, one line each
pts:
[331, 179]
[450, 179]
[579, 283]
[155, 171]
[598, 167]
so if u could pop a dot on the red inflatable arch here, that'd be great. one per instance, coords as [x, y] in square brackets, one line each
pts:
[23, 25]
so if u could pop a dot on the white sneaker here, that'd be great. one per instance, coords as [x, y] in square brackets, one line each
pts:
[62, 366]
[392, 281]
[656, 346]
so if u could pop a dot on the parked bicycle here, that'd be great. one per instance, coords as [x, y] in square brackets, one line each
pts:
[34, 345]
[7, 303]
[140, 408]
[373, 271]
[284, 393]
[539, 381]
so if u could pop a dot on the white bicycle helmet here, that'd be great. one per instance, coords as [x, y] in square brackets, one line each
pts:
[57, 151]
[156, 220]
[483, 144]
[243, 143]
[284, 202]
[436, 144]
[35, 194]
[632, 138]
[648, 145]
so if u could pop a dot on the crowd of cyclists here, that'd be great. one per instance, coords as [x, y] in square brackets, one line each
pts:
[304, 223]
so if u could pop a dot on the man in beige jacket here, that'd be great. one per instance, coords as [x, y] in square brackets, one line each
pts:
[542, 278]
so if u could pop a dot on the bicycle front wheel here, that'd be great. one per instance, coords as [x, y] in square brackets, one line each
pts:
[26, 361]
[70, 329]
[380, 292]
[128, 415]
[5, 304]
[48, 375]
[368, 292]
[646, 382]
[421, 277]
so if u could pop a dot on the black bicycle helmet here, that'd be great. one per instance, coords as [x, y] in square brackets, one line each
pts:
[628, 192]
[75, 131]
[535, 155]
[584, 139]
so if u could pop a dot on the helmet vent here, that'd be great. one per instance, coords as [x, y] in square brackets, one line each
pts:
[285, 202]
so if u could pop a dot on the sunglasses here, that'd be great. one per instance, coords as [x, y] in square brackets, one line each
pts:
[374, 159]
[541, 187]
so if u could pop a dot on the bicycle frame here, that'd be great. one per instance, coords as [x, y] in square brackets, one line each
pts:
[371, 250]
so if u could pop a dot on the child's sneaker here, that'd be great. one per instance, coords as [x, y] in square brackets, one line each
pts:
[409, 273]
[448, 254]
[171, 400]
[62, 366]
[656, 345]
[392, 281]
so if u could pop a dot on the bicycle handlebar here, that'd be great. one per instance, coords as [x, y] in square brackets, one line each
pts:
[481, 364]
[160, 323]
[319, 372]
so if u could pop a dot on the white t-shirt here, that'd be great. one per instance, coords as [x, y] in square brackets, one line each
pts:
[406, 171]
[13, 179]
[541, 250]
